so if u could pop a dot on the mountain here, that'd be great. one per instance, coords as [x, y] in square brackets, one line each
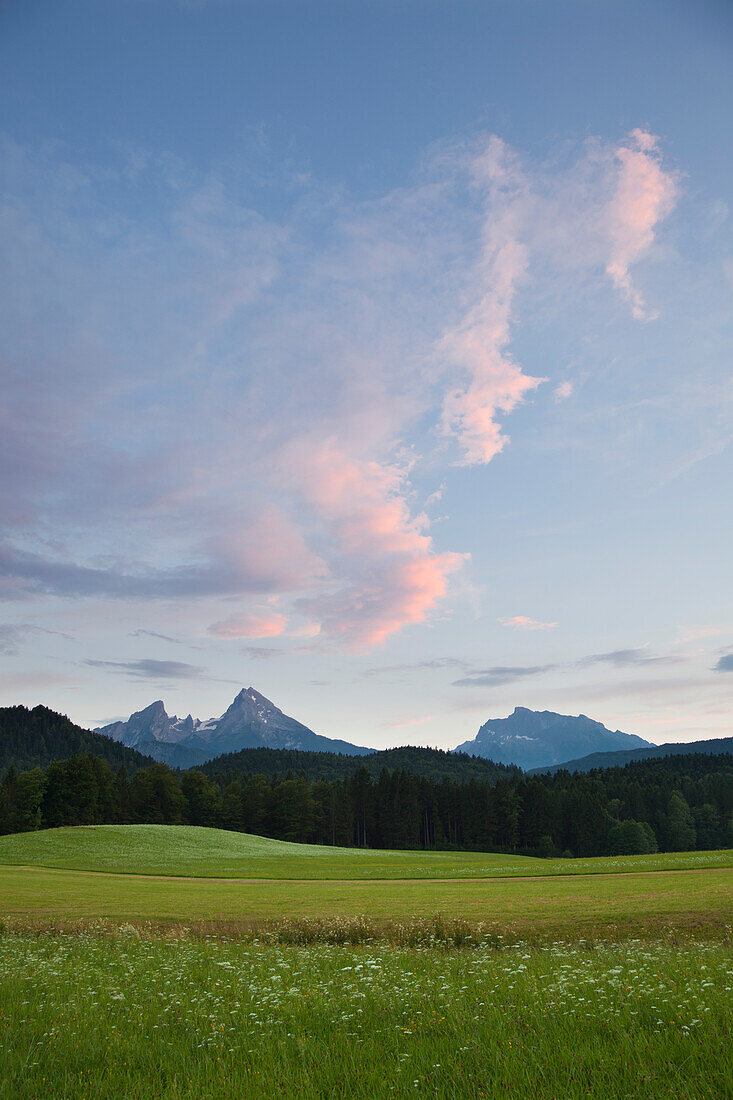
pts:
[35, 738]
[618, 759]
[252, 721]
[429, 763]
[539, 738]
[171, 740]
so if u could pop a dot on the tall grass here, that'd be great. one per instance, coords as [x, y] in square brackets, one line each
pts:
[89, 1015]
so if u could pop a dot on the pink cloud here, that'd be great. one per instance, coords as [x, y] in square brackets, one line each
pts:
[393, 575]
[266, 551]
[268, 624]
[521, 622]
[381, 601]
[563, 391]
[645, 194]
[363, 499]
[495, 383]
[410, 308]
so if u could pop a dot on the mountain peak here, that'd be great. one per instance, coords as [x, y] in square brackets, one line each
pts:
[152, 710]
[251, 699]
[250, 721]
[534, 739]
[251, 693]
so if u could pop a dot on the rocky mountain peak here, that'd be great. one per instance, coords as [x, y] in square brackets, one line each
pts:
[153, 710]
[250, 721]
[533, 739]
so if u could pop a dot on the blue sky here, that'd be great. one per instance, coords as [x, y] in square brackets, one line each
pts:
[374, 354]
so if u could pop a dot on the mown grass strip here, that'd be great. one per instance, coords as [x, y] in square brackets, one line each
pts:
[514, 904]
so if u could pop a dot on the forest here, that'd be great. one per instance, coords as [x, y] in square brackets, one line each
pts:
[669, 804]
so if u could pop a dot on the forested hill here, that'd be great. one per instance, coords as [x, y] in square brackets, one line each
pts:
[35, 738]
[618, 759]
[428, 763]
[677, 803]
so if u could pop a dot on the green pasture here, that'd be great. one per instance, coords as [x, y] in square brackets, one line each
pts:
[189, 851]
[601, 904]
[140, 961]
[87, 1016]
[179, 874]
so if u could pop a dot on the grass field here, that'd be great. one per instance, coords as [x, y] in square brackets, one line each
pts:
[215, 853]
[512, 895]
[166, 962]
[86, 1016]
[607, 905]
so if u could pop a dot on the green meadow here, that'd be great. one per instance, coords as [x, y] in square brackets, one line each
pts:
[185, 874]
[190, 851]
[165, 961]
[591, 905]
[89, 1015]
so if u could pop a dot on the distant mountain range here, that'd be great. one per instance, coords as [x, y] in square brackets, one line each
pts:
[618, 759]
[537, 739]
[277, 744]
[252, 721]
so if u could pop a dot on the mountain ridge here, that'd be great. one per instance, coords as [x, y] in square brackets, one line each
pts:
[533, 739]
[714, 746]
[250, 721]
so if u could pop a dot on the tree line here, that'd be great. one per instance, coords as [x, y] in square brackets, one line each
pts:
[418, 760]
[668, 804]
[31, 738]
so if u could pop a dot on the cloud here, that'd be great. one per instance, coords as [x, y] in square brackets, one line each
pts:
[563, 391]
[148, 669]
[620, 658]
[265, 554]
[256, 421]
[419, 666]
[724, 663]
[644, 195]
[623, 657]
[262, 653]
[521, 622]
[395, 577]
[14, 635]
[163, 638]
[266, 624]
[501, 674]
[478, 343]
[153, 634]
[384, 598]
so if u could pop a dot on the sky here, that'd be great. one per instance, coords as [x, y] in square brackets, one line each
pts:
[375, 354]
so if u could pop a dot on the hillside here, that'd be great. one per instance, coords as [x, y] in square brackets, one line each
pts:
[188, 850]
[193, 852]
[430, 763]
[34, 738]
[541, 738]
[716, 747]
